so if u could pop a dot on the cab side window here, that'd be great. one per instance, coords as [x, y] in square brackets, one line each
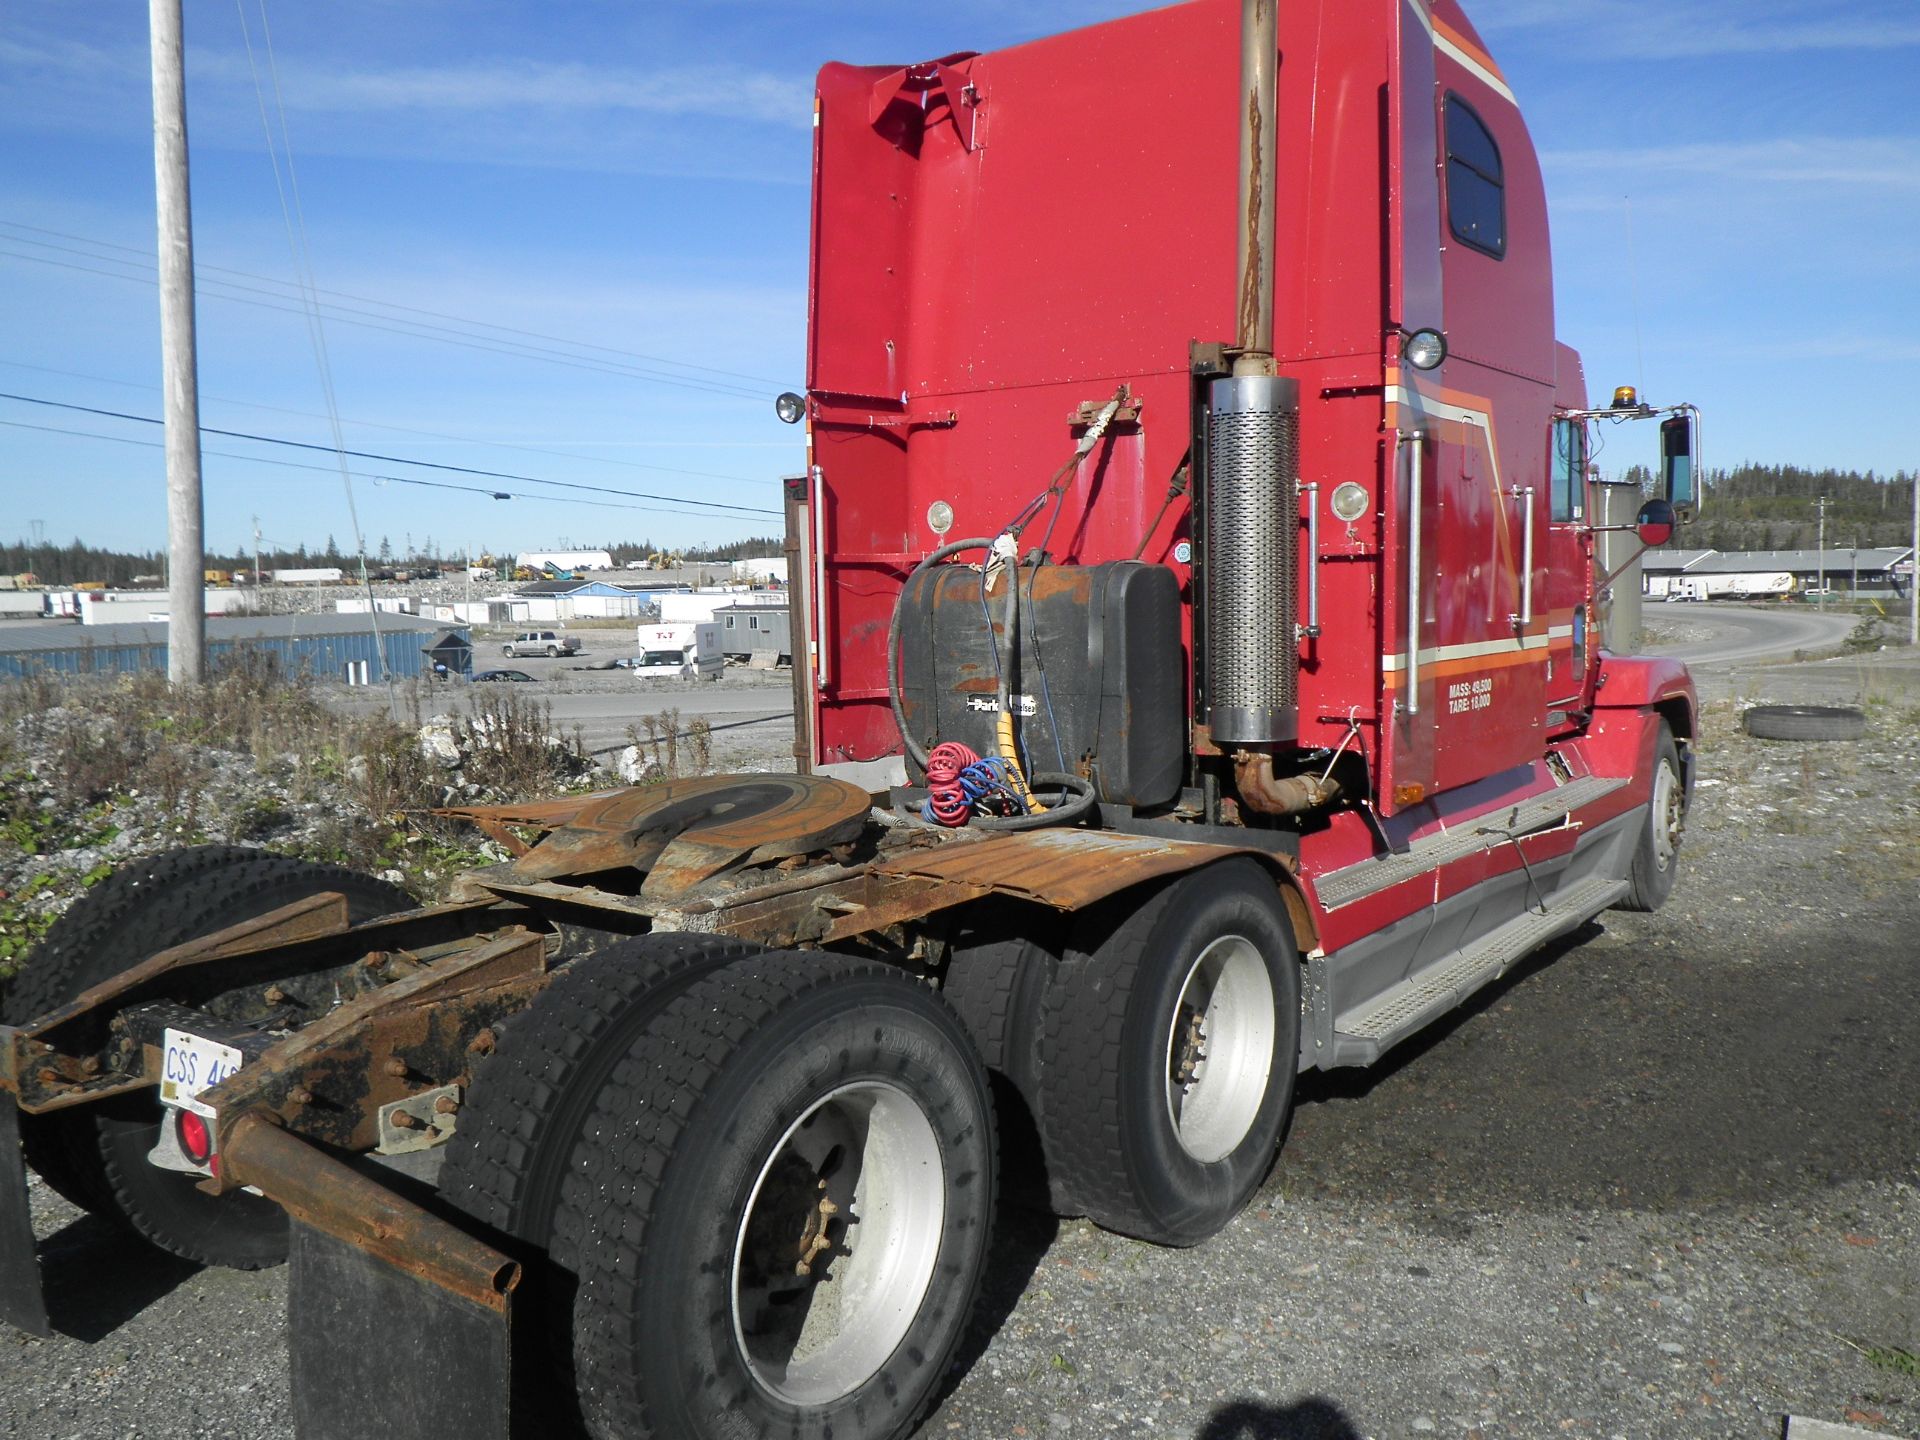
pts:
[1569, 469]
[1476, 184]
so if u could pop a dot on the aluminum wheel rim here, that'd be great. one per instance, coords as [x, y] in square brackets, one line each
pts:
[822, 1297]
[1220, 1048]
[1666, 815]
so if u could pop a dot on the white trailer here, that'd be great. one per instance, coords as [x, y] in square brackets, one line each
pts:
[688, 649]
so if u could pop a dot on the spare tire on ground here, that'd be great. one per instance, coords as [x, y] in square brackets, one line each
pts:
[1804, 722]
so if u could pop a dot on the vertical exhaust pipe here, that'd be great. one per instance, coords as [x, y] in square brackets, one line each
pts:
[1253, 454]
[1259, 47]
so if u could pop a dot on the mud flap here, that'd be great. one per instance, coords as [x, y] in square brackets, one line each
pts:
[376, 1349]
[23, 1301]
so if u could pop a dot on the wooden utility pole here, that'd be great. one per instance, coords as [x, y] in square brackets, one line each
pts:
[186, 569]
[1913, 571]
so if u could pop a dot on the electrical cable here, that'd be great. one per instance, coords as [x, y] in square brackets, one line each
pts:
[144, 258]
[213, 289]
[377, 479]
[443, 434]
[717, 505]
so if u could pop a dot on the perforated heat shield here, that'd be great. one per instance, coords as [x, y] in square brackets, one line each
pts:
[1253, 522]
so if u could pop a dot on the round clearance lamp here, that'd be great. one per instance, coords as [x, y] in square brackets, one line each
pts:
[1424, 349]
[789, 407]
[1349, 501]
[939, 517]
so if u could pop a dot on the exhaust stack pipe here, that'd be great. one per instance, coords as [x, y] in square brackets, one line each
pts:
[1259, 49]
[1253, 454]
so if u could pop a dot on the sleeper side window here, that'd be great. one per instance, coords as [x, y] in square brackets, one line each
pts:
[1476, 183]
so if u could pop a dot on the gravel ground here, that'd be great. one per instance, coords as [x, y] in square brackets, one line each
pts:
[1659, 1182]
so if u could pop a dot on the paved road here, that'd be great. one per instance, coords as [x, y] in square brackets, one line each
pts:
[1743, 632]
[604, 705]
[1745, 653]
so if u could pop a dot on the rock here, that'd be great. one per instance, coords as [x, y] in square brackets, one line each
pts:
[437, 742]
[634, 766]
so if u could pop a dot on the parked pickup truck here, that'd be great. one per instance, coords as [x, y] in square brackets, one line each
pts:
[542, 642]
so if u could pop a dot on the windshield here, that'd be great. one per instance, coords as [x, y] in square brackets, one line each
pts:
[662, 657]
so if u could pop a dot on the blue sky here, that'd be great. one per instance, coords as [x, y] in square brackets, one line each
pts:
[623, 187]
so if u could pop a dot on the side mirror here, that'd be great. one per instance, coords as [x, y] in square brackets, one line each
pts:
[1655, 523]
[1678, 481]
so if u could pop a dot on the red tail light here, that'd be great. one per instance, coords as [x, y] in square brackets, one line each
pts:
[196, 1136]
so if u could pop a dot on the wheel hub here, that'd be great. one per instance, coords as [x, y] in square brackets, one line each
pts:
[836, 1250]
[1220, 1048]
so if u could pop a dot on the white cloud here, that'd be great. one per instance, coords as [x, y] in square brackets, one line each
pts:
[1614, 29]
[716, 91]
[1886, 164]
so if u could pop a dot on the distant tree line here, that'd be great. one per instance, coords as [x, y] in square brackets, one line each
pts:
[1776, 507]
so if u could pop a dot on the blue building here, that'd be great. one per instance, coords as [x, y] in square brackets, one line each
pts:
[327, 647]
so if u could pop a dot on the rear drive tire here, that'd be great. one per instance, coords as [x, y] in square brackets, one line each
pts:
[789, 1121]
[1172, 1041]
[59, 1147]
[524, 1112]
[1656, 854]
[165, 902]
[998, 986]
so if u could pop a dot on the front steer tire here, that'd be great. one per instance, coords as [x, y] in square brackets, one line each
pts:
[96, 1155]
[1656, 851]
[763, 1091]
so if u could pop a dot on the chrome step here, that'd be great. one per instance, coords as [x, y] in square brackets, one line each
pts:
[1467, 837]
[1363, 1034]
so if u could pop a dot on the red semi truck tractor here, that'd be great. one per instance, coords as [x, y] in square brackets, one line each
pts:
[1198, 555]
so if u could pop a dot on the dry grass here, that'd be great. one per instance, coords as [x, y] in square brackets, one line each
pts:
[99, 743]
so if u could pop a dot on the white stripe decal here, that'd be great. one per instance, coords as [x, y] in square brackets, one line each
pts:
[1460, 57]
[1479, 648]
[1427, 408]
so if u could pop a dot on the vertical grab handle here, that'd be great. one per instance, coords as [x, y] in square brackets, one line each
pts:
[820, 577]
[1311, 630]
[1524, 617]
[1415, 478]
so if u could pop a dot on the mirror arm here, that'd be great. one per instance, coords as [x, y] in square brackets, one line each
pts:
[1608, 578]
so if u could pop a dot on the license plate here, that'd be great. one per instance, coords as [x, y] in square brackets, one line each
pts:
[189, 1065]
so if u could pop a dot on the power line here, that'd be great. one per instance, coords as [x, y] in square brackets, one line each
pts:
[398, 459]
[344, 314]
[378, 479]
[413, 309]
[409, 430]
[415, 332]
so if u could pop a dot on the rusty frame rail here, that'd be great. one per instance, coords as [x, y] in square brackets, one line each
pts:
[329, 1080]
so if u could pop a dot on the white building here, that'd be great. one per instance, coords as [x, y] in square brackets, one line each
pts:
[761, 569]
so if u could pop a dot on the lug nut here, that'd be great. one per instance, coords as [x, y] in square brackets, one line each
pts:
[483, 1043]
[446, 1105]
[90, 1065]
[274, 995]
[396, 1067]
[299, 1095]
[405, 1120]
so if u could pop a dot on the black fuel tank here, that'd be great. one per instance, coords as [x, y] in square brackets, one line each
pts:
[1098, 678]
